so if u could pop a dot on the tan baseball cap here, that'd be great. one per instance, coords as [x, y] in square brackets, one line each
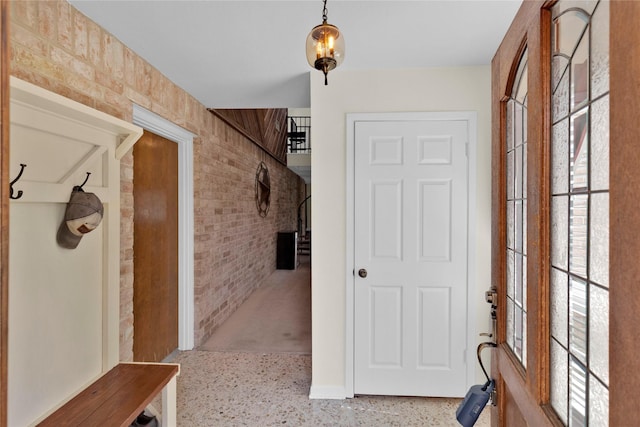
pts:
[83, 214]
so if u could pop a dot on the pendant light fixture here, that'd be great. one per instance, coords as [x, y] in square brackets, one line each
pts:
[325, 46]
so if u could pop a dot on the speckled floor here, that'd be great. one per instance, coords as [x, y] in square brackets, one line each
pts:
[251, 377]
[255, 389]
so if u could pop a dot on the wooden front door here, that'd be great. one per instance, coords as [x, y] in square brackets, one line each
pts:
[565, 216]
[155, 247]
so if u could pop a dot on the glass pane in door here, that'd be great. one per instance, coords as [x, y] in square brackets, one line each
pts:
[579, 234]
[516, 160]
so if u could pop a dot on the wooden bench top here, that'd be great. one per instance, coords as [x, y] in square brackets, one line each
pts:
[116, 398]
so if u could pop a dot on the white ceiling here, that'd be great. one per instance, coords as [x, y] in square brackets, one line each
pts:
[250, 54]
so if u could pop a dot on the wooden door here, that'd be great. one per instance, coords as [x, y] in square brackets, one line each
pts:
[411, 236]
[544, 379]
[155, 247]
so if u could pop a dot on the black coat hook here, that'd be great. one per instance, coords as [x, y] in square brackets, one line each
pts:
[11, 196]
[79, 187]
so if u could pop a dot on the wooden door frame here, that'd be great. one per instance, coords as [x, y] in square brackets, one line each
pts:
[624, 216]
[4, 205]
[155, 124]
[530, 390]
[472, 332]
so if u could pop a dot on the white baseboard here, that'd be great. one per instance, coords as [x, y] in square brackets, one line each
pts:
[327, 392]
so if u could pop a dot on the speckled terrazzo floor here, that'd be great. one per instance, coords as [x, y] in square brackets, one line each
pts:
[252, 376]
[255, 389]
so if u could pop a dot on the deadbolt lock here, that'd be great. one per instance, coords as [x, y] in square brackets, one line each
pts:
[491, 296]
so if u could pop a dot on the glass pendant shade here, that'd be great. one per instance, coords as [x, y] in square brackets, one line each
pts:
[325, 48]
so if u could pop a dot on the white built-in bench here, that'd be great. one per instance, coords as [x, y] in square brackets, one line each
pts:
[119, 396]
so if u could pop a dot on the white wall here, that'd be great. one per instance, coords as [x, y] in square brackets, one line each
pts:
[299, 112]
[435, 89]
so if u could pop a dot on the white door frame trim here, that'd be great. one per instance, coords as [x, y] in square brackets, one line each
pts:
[352, 118]
[164, 128]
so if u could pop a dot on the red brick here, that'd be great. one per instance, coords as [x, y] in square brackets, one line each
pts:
[29, 40]
[65, 25]
[47, 19]
[25, 12]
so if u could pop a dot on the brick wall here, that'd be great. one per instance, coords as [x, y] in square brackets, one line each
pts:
[56, 47]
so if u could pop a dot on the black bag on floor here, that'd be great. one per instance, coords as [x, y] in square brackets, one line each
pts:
[144, 420]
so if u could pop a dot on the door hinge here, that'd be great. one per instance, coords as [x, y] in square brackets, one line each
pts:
[466, 149]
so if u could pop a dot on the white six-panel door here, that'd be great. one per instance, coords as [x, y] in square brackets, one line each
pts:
[410, 244]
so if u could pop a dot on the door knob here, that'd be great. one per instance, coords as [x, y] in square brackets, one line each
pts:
[362, 273]
[491, 296]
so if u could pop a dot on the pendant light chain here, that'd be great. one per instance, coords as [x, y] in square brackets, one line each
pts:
[324, 13]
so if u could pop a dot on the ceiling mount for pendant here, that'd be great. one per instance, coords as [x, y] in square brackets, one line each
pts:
[325, 46]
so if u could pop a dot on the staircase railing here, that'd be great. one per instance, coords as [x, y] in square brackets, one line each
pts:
[299, 134]
[304, 234]
[302, 231]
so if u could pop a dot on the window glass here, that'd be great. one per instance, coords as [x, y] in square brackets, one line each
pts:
[516, 160]
[579, 234]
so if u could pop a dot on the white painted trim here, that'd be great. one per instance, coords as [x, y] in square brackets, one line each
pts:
[350, 273]
[327, 392]
[164, 128]
[352, 118]
[472, 216]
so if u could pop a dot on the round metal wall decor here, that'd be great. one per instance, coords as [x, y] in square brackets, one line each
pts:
[263, 189]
